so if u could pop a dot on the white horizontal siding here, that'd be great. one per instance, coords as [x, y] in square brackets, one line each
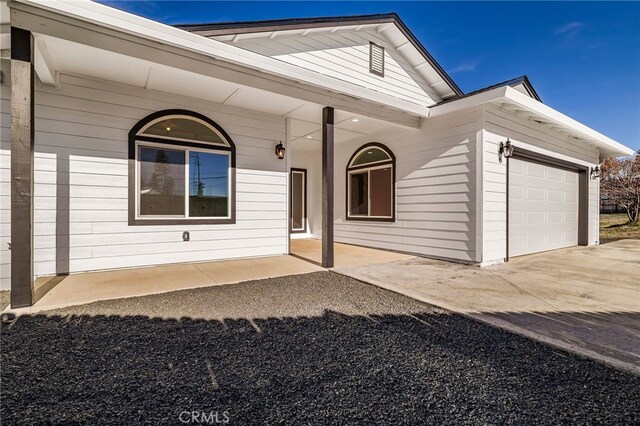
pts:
[498, 125]
[435, 191]
[345, 56]
[82, 137]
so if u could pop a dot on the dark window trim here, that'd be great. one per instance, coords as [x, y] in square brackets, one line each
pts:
[133, 137]
[363, 167]
[547, 160]
[306, 214]
[371, 70]
[196, 145]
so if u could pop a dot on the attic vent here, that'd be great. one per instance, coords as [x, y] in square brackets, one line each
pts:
[376, 59]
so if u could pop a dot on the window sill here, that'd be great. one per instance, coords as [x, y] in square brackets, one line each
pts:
[370, 219]
[190, 221]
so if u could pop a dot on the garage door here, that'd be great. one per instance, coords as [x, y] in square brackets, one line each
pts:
[543, 207]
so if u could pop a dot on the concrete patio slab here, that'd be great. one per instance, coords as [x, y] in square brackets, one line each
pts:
[346, 256]
[584, 299]
[78, 289]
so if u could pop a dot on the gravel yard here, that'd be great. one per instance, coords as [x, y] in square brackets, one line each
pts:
[308, 349]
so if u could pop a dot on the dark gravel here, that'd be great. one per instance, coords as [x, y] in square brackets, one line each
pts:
[369, 357]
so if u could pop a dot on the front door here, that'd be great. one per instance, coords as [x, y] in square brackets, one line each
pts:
[298, 220]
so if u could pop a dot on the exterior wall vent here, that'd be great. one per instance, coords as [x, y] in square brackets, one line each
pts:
[376, 59]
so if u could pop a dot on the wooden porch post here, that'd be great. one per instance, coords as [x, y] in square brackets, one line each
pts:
[22, 135]
[327, 187]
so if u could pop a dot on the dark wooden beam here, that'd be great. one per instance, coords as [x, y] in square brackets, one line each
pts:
[327, 187]
[583, 208]
[22, 136]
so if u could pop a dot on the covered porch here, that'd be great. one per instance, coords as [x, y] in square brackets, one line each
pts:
[64, 49]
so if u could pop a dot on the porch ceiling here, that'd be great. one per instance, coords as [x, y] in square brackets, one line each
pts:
[154, 50]
[57, 56]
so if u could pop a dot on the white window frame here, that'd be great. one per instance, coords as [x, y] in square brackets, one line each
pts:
[186, 150]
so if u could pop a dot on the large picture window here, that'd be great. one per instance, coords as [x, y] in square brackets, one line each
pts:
[371, 184]
[182, 170]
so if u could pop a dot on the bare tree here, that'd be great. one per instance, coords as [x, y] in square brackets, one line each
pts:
[620, 183]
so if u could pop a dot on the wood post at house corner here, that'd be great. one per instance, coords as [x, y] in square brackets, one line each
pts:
[327, 187]
[22, 147]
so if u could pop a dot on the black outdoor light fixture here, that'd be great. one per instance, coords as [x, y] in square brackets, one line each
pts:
[280, 149]
[505, 149]
[595, 173]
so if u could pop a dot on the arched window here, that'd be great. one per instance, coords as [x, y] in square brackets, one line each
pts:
[181, 170]
[371, 184]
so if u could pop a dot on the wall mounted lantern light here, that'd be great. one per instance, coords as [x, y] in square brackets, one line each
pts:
[280, 149]
[505, 149]
[595, 173]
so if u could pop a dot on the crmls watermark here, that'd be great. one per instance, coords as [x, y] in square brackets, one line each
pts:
[203, 417]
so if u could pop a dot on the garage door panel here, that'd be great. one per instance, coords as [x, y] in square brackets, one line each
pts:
[535, 194]
[534, 170]
[543, 207]
[516, 168]
[535, 218]
[554, 174]
[555, 196]
[555, 218]
[517, 218]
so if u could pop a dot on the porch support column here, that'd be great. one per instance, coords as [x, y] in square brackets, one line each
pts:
[22, 136]
[327, 187]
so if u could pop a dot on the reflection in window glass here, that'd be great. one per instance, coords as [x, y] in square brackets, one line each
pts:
[298, 201]
[382, 196]
[161, 183]
[371, 155]
[359, 193]
[183, 128]
[208, 184]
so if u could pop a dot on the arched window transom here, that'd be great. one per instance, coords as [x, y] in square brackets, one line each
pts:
[183, 170]
[371, 184]
[181, 128]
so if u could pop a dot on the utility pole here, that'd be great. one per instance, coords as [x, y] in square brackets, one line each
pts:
[200, 183]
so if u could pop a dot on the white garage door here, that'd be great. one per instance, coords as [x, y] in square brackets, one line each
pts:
[543, 207]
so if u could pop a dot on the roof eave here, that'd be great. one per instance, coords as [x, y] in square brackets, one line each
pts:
[526, 103]
[247, 27]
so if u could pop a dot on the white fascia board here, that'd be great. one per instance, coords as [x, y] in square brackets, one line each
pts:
[124, 22]
[469, 102]
[510, 95]
[562, 120]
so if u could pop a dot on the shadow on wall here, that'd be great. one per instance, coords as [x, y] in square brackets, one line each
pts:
[62, 213]
[74, 176]
[415, 368]
[435, 196]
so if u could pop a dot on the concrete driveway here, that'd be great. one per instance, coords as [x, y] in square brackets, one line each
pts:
[583, 299]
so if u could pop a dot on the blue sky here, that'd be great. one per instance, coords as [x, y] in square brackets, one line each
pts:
[583, 58]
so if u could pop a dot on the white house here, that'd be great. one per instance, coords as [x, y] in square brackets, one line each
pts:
[127, 142]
